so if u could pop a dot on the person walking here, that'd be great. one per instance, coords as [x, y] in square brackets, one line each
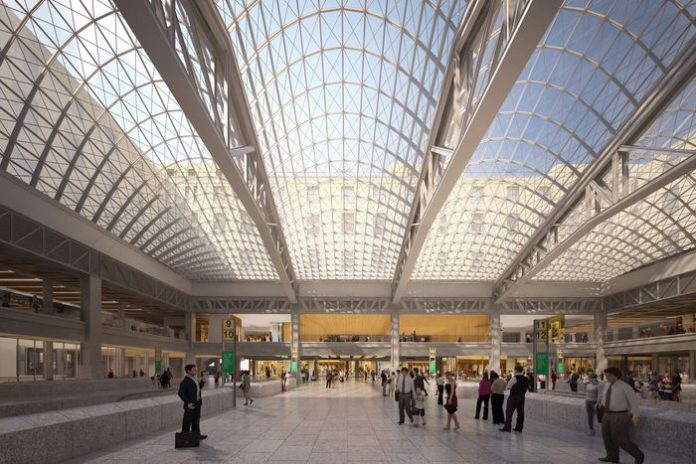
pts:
[573, 382]
[451, 401]
[404, 390]
[328, 378]
[385, 380]
[484, 395]
[554, 378]
[497, 398]
[676, 382]
[591, 395]
[518, 387]
[419, 410]
[246, 388]
[392, 383]
[440, 382]
[618, 400]
[190, 394]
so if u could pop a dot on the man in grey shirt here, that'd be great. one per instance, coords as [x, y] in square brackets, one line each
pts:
[620, 409]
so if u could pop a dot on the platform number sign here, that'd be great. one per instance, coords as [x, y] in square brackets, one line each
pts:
[228, 330]
[541, 330]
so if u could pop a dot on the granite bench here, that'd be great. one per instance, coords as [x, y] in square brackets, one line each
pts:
[665, 431]
[70, 433]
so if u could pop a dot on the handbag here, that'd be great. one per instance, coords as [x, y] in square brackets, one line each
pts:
[187, 440]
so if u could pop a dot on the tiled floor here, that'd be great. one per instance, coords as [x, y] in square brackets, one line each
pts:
[354, 423]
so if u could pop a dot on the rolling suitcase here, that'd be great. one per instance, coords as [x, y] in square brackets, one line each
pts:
[187, 440]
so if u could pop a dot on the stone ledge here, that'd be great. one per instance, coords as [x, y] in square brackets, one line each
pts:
[665, 431]
[60, 435]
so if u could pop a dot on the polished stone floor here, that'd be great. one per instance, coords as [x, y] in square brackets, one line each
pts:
[354, 423]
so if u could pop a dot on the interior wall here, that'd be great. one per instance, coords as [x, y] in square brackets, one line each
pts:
[447, 327]
[8, 355]
[316, 326]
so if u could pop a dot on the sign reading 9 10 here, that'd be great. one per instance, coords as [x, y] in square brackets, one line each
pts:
[228, 330]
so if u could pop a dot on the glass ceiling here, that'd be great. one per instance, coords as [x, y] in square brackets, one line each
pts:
[662, 225]
[596, 63]
[86, 119]
[343, 94]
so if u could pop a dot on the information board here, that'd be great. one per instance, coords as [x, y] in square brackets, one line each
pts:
[432, 367]
[227, 362]
[158, 360]
[541, 364]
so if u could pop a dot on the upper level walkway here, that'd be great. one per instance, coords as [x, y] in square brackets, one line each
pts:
[354, 423]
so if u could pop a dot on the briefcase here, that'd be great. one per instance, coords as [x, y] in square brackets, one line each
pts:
[187, 440]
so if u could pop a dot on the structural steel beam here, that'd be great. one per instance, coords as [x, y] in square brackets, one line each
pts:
[23, 240]
[533, 257]
[544, 258]
[214, 104]
[517, 40]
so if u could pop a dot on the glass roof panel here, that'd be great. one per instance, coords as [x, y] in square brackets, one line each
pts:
[343, 95]
[596, 63]
[662, 225]
[86, 119]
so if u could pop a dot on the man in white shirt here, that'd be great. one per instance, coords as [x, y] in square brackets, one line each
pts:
[620, 408]
[404, 388]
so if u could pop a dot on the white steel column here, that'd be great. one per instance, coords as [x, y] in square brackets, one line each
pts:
[395, 341]
[600, 334]
[496, 335]
[90, 349]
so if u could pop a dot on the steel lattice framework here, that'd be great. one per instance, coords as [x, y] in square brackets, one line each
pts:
[491, 142]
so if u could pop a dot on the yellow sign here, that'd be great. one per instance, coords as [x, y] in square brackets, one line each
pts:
[557, 323]
[228, 330]
[294, 352]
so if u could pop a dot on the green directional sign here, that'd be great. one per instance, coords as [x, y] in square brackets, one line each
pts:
[542, 363]
[227, 362]
[293, 367]
[158, 360]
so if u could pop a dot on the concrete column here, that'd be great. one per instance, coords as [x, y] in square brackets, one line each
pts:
[295, 342]
[121, 315]
[146, 363]
[395, 343]
[600, 331]
[48, 360]
[692, 367]
[190, 327]
[90, 349]
[121, 367]
[496, 337]
[47, 297]
[215, 327]
[60, 362]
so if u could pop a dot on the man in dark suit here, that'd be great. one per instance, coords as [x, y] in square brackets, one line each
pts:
[518, 386]
[190, 394]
